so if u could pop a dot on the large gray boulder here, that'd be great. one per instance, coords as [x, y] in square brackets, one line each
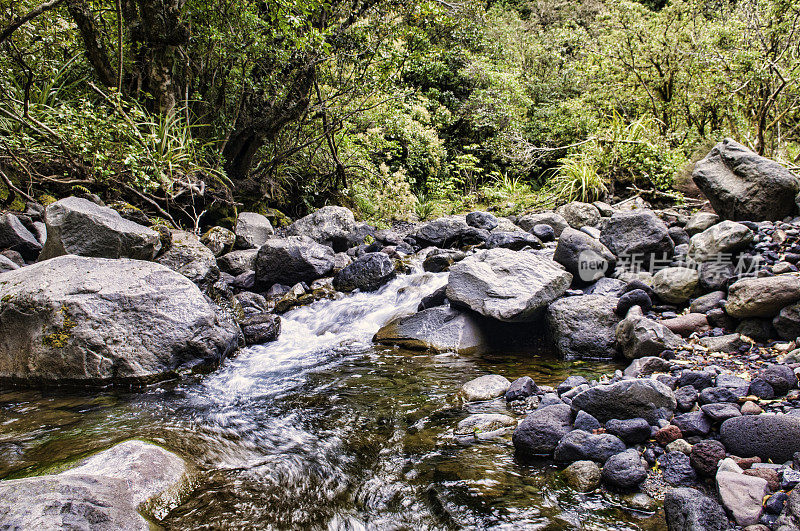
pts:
[638, 336]
[762, 297]
[638, 235]
[330, 225]
[628, 399]
[367, 273]
[190, 258]
[583, 256]
[507, 285]
[439, 329]
[742, 185]
[775, 437]
[252, 230]
[541, 431]
[78, 226]
[105, 492]
[85, 321]
[14, 236]
[583, 326]
[690, 510]
[719, 240]
[292, 260]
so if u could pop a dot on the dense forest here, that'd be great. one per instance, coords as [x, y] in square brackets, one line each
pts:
[398, 109]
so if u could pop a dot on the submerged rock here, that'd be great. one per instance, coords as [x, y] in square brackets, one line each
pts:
[103, 493]
[485, 388]
[78, 320]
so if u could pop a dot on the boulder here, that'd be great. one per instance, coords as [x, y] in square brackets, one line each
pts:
[628, 399]
[646, 366]
[219, 239]
[6, 264]
[583, 256]
[583, 476]
[637, 235]
[190, 258]
[676, 466]
[690, 510]
[687, 324]
[762, 297]
[787, 322]
[624, 470]
[631, 431]
[610, 287]
[583, 326]
[86, 321]
[506, 285]
[638, 337]
[260, 328]
[693, 423]
[707, 302]
[545, 233]
[103, 493]
[580, 445]
[482, 220]
[330, 226]
[521, 388]
[551, 219]
[742, 496]
[706, 455]
[516, 241]
[483, 426]
[443, 233]
[742, 185]
[720, 412]
[440, 329]
[578, 214]
[238, 262]
[636, 297]
[14, 236]
[586, 422]
[721, 239]
[701, 221]
[367, 273]
[252, 230]
[485, 388]
[80, 227]
[775, 437]
[780, 377]
[292, 260]
[675, 285]
[541, 431]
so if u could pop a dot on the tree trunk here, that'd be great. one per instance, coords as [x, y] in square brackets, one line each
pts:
[93, 45]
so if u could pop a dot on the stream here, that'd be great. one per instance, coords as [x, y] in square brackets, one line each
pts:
[322, 429]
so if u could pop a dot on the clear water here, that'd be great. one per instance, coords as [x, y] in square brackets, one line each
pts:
[324, 430]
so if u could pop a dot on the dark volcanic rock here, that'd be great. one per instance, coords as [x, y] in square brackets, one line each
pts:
[742, 185]
[690, 510]
[632, 431]
[292, 260]
[624, 470]
[541, 431]
[367, 273]
[579, 445]
[706, 455]
[677, 469]
[627, 399]
[775, 437]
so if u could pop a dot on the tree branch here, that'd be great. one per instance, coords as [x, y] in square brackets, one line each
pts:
[19, 21]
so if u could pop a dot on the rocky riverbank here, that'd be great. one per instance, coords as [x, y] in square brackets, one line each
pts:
[704, 306]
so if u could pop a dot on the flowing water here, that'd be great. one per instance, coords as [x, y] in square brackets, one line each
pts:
[324, 430]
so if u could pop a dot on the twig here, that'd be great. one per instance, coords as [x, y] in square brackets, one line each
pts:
[14, 188]
[153, 203]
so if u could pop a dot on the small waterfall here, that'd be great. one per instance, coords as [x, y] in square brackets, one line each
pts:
[312, 335]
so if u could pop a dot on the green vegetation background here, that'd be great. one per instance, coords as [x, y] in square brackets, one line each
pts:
[400, 109]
